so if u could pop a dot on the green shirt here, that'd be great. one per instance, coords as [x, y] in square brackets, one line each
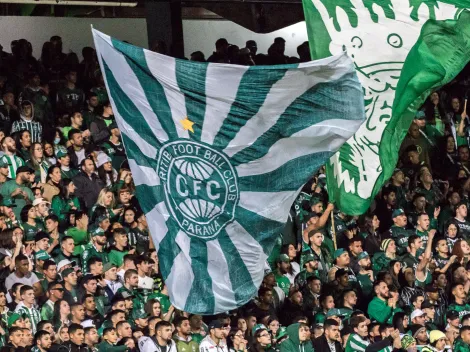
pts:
[47, 310]
[90, 251]
[283, 282]
[462, 309]
[9, 187]
[379, 311]
[356, 343]
[400, 235]
[365, 283]
[460, 346]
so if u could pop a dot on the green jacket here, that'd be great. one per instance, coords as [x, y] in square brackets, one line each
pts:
[185, 346]
[460, 346]
[90, 251]
[61, 207]
[380, 262]
[379, 311]
[107, 347]
[292, 344]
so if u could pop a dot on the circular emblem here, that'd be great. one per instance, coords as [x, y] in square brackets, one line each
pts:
[201, 187]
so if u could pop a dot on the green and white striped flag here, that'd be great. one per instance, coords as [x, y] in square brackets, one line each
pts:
[402, 49]
[219, 153]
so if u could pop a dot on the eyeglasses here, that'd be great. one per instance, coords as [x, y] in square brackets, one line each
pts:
[239, 335]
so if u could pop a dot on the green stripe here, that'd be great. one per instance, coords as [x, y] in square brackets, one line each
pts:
[154, 91]
[321, 102]
[168, 250]
[149, 196]
[263, 230]
[248, 100]
[288, 177]
[240, 278]
[128, 110]
[133, 152]
[191, 79]
[201, 297]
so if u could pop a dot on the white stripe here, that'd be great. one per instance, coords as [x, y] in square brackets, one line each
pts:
[271, 205]
[250, 251]
[327, 135]
[220, 95]
[224, 298]
[283, 93]
[156, 219]
[181, 276]
[163, 69]
[143, 175]
[146, 148]
[129, 83]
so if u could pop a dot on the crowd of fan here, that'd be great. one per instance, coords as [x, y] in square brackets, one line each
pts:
[79, 272]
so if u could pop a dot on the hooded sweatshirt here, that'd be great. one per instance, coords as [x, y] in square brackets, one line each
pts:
[293, 344]
[32, 126]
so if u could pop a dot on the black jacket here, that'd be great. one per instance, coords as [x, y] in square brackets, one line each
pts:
[69, 346]
[99, 130]
[73, 157]
[88, 188]
[320, 344]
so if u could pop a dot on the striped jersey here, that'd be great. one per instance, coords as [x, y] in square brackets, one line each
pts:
[356, 344]
[14, 162]
[33, 127]
[32, 313]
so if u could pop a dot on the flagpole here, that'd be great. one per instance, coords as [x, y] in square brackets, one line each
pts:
[333, 229]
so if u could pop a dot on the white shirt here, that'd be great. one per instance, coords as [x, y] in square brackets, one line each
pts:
[145, 282]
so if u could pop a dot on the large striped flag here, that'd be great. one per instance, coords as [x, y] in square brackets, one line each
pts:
[219, 153]
[402, 50]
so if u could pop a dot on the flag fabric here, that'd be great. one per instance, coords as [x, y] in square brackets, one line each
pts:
[219, 153]
[402, 50]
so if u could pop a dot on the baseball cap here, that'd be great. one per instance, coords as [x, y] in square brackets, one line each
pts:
[8, 203]
[113, 125]
[63, 263]
[417, 313]
[88, 323]
[215, 324]
[283, 258]
[40, 236]
[282, 332]
[416, 328]
[436, 335]
[12, 319]
[338, 253]
[61, 152]
[362, 255]
[42, 255]
[309, 258]
[108, 266]
[397, 212]
[140, 314]
[452, 314]
[334, 312]
[427, 304]
[420, 115]
[407, 341]
[98, 231]
[67, 272]
[38, 201]
[24, 168]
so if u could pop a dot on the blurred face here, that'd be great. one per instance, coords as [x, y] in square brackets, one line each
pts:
[304, 333]
[79, 312]
[32, 213]
[68, 246]
[442, 247]
[77, 119]
[315, 286]
[274, 326]
[452, 231]
[38, 151]
[91, 286]
[375, 222]
[332, 333]
[134, 280]
[365, 263]
[90, 304]
[64, 307]
[42, 244]
[111, 274]
[418, 302]
[184, 329]
[401, 220]
[17, 338]
[465, 247]
[92, 336]
[382, 290]
[459, 292]
[64, 334]
[343, 260]
[26, 139]
[351, 298]
[156, 309]
[78, 337]
[71, 279]
[56, 176]
[423, 222]
[361, 330]
[441, 281]
[414, 131]
[355, 248]
[329, 303]
[9, 145]
[51, 225]
[464, 154]
[48, 150]
[108, 199]
[264, 338]
[165, 333]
